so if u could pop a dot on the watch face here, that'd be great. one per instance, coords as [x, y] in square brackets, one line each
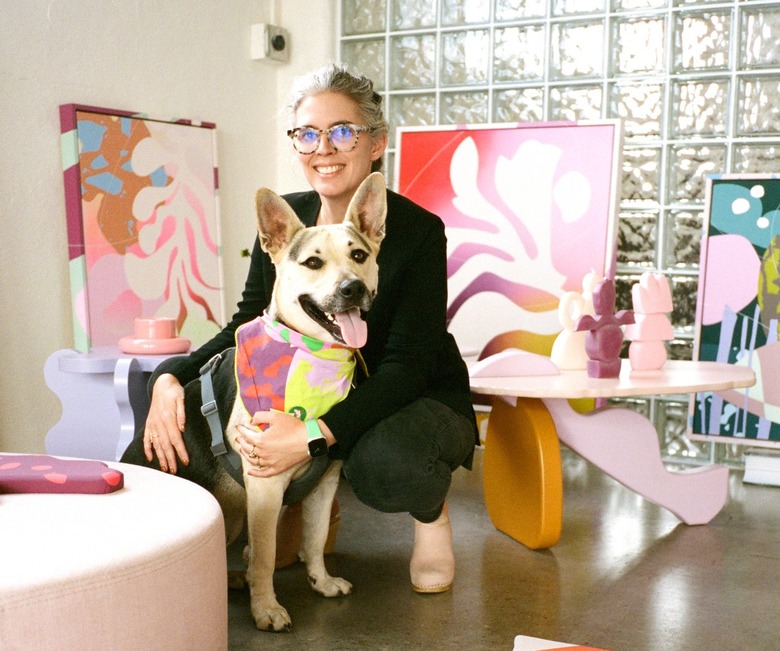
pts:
[318, 447]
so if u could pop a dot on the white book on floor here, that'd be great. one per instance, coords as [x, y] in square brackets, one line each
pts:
[762, 466]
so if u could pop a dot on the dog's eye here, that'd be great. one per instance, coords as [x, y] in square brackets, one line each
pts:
[359, 256]
[313, 263]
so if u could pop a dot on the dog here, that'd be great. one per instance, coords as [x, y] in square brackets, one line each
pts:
[325, 277]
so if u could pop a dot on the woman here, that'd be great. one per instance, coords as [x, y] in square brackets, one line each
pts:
[404, 428]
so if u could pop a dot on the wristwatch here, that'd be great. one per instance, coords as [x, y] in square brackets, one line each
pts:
[318, 446]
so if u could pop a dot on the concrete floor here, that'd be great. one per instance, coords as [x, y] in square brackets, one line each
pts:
[625, 576]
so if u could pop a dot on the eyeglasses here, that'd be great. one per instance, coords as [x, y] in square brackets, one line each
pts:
[343, 137]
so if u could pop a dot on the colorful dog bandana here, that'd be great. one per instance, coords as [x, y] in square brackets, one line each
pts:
[278, 368]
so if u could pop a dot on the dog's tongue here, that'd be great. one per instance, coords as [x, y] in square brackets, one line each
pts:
[353, 329]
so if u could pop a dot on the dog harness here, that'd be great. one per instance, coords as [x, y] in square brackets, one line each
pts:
[280, 369]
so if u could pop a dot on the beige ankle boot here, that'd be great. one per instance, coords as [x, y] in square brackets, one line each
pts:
[433, 564]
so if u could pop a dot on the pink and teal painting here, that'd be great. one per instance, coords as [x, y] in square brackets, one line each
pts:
[143, 224]
[529, 211]
[738, 307]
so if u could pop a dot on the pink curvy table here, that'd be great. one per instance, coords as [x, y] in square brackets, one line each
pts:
[531, 413]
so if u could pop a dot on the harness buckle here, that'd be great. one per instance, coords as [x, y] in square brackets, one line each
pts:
[208, 366]
[209, 408]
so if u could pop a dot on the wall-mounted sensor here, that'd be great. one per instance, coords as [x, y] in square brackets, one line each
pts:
[270, 43]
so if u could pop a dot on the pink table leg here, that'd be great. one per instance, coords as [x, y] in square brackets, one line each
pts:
[624, 444]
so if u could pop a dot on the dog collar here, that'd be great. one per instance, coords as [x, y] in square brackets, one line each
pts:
[281, 369]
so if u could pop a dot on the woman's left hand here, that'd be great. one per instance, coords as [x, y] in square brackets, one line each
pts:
[280, 446]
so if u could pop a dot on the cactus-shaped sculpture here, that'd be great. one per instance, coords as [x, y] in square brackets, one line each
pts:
[652, 301]
[604, 337]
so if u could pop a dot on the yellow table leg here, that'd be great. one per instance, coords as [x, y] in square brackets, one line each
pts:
[522, 473]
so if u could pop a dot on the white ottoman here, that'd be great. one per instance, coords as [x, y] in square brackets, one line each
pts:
[141, 568]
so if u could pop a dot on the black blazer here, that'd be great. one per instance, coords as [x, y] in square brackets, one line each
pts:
[409, 353]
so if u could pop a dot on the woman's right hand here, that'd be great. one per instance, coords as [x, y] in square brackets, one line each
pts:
[165, 424]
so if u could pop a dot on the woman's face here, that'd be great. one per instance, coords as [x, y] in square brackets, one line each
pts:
[331, 173]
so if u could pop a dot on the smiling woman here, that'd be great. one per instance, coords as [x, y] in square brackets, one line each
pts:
[409, 422]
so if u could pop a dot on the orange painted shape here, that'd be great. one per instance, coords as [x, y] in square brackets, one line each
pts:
[522, 473]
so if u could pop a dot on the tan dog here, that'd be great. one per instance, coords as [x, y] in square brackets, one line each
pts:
[325, 276]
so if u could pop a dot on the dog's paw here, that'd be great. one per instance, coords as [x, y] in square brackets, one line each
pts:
[330, 586]
[273, 618]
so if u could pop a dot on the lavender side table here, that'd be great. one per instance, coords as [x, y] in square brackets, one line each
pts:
[104, 399]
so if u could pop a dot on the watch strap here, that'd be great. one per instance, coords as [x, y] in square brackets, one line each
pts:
[313, 429]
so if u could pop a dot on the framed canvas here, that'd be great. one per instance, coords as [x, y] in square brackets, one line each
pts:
[738, 308]
[142, 211]
[529, 210]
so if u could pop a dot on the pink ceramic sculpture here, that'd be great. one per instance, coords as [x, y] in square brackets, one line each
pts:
[156, 336]
[604, 336]
[652, 300]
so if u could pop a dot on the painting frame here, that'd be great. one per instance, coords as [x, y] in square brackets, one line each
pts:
[143, 223]
[737, 311]
[571, 173]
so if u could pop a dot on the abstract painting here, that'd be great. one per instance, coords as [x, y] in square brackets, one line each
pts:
[529, 210]
[143, 229]
[738, 308]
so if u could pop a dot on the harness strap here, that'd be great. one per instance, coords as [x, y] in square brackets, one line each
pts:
[229, 459]
[226, 456]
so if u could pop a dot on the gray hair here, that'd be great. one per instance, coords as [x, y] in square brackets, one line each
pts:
[335, 78]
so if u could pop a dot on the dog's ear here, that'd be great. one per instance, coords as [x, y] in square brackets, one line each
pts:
[276, 221]
[368, 208]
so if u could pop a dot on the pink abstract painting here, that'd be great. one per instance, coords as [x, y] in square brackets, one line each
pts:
[143, 229]
[529, 211]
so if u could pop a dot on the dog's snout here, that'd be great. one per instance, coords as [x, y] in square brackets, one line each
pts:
[352, 289]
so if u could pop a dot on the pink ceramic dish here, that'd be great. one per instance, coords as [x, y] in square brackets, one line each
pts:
[155, 328]
[171, 346]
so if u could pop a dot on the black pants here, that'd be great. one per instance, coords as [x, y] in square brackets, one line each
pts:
[405, 463]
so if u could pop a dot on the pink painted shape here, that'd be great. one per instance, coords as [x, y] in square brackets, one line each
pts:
[513, 362]
[624, 444]
[731, 278]
[112, 477]
[742, 398]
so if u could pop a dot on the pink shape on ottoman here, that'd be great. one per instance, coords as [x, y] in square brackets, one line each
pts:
[40, 473]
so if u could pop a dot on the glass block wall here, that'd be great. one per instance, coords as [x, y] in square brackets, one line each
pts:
[696, 83]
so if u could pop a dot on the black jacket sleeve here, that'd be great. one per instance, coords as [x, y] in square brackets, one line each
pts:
[255, 298]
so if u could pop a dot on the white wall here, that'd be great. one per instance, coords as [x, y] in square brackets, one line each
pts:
[167, 58]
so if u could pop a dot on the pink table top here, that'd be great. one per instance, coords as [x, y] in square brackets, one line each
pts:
[675, 377]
